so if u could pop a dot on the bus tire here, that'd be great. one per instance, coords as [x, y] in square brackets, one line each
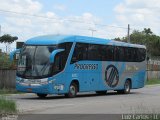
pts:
[127, 88]
[102, 92]
[73, 89]
[41, 95]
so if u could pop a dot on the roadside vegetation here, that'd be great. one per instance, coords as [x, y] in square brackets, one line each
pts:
[5, 63]
[7, 106]
[153, 81]
[5, 91]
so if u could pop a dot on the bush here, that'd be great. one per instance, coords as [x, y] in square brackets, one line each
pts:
[7, 106]
[5, 62]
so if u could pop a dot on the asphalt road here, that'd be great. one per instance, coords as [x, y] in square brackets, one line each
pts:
[144, 100]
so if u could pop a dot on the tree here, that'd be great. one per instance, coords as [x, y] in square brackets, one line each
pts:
[147, 31]
[117, 39]
[7, 39]
[138, 37]
[147, 38]
[154, 45]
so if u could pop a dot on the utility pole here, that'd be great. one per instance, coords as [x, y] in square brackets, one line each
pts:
[92, 30]
[129, 34]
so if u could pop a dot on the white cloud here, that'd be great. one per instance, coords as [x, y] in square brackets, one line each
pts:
[59, 7]
[139, 13]
[120, 8]
[51, 15]
[25, 6]
[50, 23]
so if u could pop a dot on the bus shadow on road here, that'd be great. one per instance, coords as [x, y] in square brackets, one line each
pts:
[80, 95]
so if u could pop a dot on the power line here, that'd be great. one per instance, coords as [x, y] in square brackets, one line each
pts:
[70, 20]
[110, 26]
[25, 14]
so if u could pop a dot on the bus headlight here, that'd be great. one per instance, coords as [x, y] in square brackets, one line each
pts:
[51, 81]
[33, 82]
[44, 81]
[18, 80]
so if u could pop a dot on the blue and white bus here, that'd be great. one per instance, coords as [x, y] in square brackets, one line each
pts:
[59, 64]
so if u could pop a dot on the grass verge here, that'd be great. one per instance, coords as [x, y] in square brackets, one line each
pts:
[153, 81]
[9, 91]
[7, 106]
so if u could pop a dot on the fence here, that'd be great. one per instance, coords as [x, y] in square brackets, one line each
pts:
[153, 68]
[153, 65]
[7, 78]
[153, 74]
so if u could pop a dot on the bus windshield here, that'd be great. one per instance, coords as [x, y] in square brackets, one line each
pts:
[34, 61]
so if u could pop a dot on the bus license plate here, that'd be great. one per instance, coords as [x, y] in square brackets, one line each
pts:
[29, 89]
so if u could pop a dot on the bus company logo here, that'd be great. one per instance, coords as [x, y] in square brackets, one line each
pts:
[111, 76]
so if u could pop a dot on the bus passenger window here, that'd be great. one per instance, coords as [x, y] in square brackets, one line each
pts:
[107, 52]
[80, 52]
[110, 51]
[119, 53]
[93, 52]
[141, 54]
[128, 54]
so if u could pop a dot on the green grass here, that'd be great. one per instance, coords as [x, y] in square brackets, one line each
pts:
[7, 106]
[9, 91]
[153, 81]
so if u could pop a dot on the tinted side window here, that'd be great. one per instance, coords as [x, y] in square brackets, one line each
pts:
[134, 55]
[110, 53]
[80, 52]
[93, 52]
[97, 52]
[106, 52]
[141, 54]
[61, 58]
[67, 46]
[103, 52]
[119, 53]
[128, 54]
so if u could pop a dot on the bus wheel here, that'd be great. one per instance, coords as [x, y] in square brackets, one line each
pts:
[41, 95]
[72, 91]
[101, 92]
[127, 88]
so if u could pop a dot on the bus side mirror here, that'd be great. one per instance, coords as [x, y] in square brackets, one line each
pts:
[148, 58]
[53, 54]
[11, 55]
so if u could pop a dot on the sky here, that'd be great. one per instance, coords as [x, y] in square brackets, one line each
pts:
[99, 18]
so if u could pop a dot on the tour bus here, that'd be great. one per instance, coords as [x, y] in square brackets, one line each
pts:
[63, 64]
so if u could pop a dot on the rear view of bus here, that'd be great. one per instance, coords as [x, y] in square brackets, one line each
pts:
[71, 64]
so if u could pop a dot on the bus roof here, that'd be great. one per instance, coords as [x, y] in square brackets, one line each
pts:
[56, 39]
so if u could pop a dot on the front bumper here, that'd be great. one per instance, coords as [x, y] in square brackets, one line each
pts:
[43, 89]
